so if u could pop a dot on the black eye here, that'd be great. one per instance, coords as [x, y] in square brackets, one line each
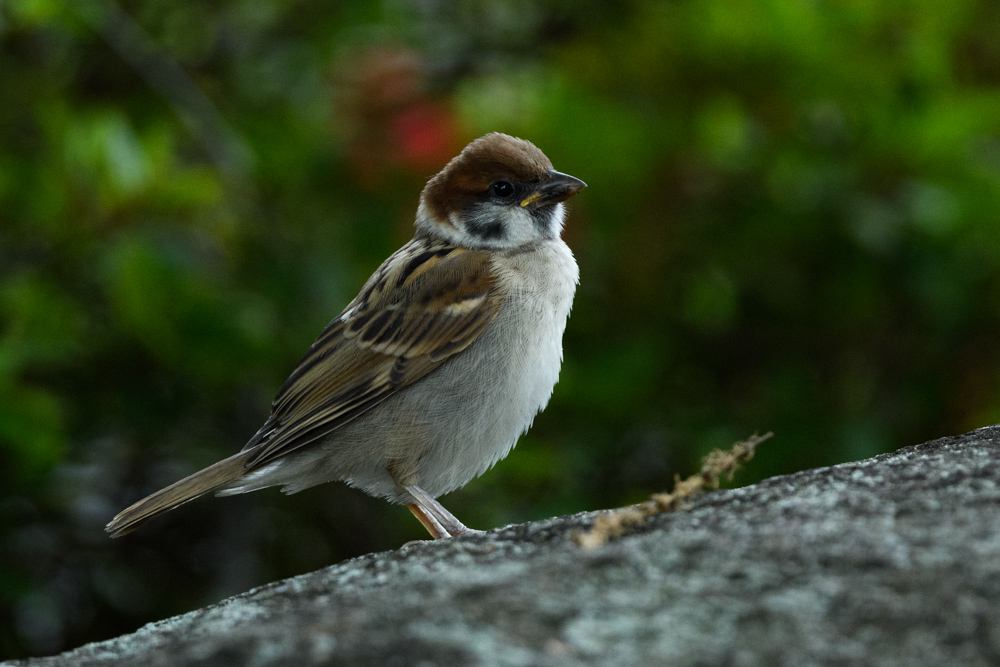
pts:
[502, 189]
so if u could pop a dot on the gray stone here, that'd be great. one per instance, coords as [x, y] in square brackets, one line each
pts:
[890, 561]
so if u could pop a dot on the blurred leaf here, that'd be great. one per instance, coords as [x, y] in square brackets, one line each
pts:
[31, 430]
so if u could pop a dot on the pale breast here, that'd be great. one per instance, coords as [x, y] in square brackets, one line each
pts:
[462, 418]
[481, 401]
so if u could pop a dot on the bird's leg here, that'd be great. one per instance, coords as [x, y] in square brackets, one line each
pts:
[438, 521]
[429, 522]
[432, 509]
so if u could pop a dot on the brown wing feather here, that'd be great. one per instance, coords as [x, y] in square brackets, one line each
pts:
[426, 303]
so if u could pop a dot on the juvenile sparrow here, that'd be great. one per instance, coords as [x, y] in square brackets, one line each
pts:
[434, 370]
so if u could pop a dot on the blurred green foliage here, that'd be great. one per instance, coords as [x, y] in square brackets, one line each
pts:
[791, 225]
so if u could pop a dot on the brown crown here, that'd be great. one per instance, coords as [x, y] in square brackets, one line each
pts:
[489, 158]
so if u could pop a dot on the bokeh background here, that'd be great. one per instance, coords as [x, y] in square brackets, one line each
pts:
[791, 225]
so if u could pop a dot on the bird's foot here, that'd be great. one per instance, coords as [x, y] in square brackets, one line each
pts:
[438, 521]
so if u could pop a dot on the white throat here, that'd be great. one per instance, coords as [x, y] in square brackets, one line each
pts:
[519, 227]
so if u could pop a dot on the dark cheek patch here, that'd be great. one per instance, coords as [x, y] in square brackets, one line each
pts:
[480, 223]
[491, 231]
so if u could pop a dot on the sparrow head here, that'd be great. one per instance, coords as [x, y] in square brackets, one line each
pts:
[500, 192]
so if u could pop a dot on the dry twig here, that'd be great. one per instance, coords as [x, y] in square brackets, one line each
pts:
[715, 465]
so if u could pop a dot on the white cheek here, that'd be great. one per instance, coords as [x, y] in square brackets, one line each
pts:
[524, 227]
[520, 226]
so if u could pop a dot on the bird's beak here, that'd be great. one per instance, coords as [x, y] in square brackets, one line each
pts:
[554, 188]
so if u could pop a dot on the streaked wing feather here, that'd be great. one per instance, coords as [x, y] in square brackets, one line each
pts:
[426, 303]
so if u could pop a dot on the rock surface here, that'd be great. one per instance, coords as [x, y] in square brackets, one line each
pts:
[890, 561]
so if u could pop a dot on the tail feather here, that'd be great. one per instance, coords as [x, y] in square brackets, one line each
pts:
[204, 481]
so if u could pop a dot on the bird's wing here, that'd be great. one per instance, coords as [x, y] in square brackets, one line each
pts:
[427, 302]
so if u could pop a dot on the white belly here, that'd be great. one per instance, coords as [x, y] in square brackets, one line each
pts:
[465, 416]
